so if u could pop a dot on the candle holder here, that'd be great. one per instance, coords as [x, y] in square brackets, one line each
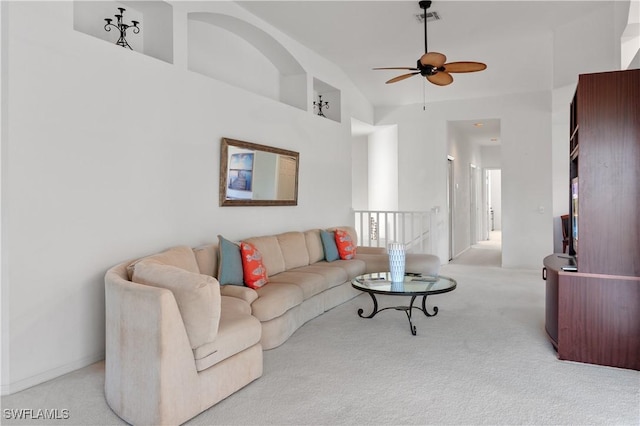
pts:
[320, 104]
[122, 27]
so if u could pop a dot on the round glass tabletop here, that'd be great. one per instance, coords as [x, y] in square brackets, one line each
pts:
[413, 284]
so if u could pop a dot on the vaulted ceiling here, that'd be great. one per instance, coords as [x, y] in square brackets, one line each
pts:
[514, 38]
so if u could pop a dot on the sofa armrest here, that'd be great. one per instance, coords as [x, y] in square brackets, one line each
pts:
[371, 250]
[240, 292]
[426, 264]
[148, 355]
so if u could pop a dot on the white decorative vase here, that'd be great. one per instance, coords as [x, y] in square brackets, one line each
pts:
[397, 286]
[396, 262]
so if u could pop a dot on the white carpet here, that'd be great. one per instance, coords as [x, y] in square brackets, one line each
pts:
[484, 359]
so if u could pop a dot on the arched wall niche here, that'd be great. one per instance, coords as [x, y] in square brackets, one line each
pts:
[232, 50]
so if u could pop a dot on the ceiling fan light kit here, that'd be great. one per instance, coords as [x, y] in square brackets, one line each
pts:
[432, 65]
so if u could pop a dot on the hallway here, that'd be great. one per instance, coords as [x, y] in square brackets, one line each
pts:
[484, 253]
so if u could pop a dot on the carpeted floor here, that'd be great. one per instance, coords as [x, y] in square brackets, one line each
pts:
[484, 253]
[483, 359]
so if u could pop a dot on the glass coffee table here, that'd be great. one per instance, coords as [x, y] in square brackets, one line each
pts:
[414, 285]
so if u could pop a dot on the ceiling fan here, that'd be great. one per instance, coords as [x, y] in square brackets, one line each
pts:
[432, 65]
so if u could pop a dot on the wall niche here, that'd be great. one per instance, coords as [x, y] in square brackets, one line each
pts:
[329, 94]
[155, 38]
[231, 50]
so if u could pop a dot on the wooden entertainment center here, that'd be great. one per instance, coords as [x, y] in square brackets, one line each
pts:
[593, 295]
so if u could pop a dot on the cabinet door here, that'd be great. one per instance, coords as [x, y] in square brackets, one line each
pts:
[598, 319]
[551, 305]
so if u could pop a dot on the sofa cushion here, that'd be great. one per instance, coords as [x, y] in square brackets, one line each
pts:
[314, 245]
[375, 262]
[238, 330]
[271, 253]
[427, 264]
[274, 299]
[329, 245]
[255, 274]
[353, 267]
[346, 246]
[207, 259]
[240, 292]
[230, 269]
[310, 283]
[179, 256]
[333, 276]
[197, 297]
[294, 249]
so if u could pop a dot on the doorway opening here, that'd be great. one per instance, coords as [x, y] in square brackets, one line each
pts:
[493, 206]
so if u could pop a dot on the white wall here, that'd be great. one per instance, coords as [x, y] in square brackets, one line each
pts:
[588, 44]
[360, 172]
[383, 169]
[109, 154]
[491, 157]
[525, 123]
[4, 290]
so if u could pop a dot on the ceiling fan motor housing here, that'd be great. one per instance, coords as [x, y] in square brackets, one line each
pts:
[427, 69]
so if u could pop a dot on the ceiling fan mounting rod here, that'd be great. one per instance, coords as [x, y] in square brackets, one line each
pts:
[424, 5]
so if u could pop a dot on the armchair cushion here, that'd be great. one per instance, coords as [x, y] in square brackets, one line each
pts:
[197, 297]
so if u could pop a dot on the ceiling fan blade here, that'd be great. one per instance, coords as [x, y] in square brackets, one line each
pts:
[434, 59]
[464, 66]
[441, 78]
[401, 77]
[397, 68]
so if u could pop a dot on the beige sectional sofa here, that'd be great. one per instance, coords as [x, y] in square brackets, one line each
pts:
[177, 342]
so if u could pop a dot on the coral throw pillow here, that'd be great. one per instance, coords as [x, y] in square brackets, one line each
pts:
[346, 248]
[255, 274]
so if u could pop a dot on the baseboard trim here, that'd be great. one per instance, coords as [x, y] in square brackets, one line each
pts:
[45, 376]
[461, 253]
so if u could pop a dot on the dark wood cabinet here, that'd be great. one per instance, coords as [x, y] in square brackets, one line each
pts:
[552, 265]
[593, 314]
[592, 318]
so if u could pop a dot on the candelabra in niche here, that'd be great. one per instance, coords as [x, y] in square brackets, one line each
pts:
[122, 27]
[321, 104]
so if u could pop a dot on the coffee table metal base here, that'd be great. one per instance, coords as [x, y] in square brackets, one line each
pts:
[407, 310]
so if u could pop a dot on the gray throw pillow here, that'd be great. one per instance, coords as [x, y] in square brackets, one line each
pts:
[229, 262]
[329, 244]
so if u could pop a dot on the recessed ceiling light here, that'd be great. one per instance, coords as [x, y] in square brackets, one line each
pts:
[478, 124]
